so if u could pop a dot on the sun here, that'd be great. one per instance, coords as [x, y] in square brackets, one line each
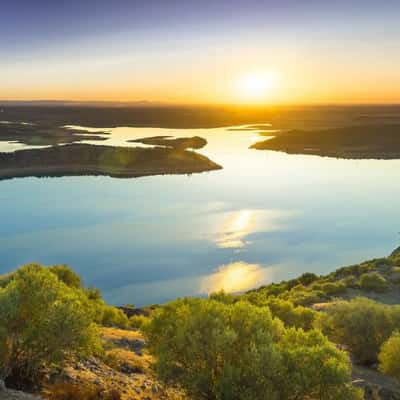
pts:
[257, 86]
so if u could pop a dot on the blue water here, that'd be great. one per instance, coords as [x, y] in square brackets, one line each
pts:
[265, 216]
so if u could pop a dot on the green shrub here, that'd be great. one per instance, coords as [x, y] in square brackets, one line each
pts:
[306, 297]
[389, 356]
[113, 317]
[292, 283]
[313, 368]
[238, 351]
[356, 270]
[223, 297]
[298, 288]
[137, 321]
[316, 286]
[333, 288]
[5, 279]
[276, 289]
[66, 275]
[379, 263]
[290, 315]
[351, 282]
[94, 294]
[373, 282]
[307, 278]
[362, 325]
[41, 319]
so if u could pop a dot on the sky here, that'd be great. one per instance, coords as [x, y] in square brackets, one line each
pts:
[201, 51]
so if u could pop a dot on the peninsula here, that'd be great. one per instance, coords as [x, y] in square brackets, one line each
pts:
[378, 141]
[86, 159]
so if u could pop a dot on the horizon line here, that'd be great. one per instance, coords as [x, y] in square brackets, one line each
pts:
[150, 103]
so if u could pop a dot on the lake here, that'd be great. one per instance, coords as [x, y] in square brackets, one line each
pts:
[266, 216]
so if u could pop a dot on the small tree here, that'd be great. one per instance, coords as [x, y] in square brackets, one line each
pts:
[313, 368]
[214, 350]
[219, 351]
[389, 356]
[113, 316]
[362, 325]
[307, 278]
[373, 281]
[42, 319]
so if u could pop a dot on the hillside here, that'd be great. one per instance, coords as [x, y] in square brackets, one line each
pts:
[165, 352]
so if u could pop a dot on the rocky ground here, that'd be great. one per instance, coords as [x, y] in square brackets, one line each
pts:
[376, 386]
[125, 369]
[6, 394]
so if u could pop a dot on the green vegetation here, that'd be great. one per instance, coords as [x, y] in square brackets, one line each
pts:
[389, 356]
[287, 312]
[46, 314]
[66, 275]
[114, 317]
[362, 325]
[278, 342]
[374, 278]
[35, 307]
[137, 321]
[222, 351]
[373, 282]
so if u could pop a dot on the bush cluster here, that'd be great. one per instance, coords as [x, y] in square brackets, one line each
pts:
[223, 351]
[373, 282]
[362, 325]
[45, 314]
[389, 356]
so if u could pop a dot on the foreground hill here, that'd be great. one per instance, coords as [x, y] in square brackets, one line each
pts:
[341, 328]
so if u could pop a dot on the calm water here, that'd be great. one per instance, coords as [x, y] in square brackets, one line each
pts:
[265, 216]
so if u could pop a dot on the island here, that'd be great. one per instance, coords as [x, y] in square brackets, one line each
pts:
[378, 141]
[86, 159]
[45, 134]
[194, 142]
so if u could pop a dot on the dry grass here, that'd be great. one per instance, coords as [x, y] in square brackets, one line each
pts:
[69, 391]
[115, 334]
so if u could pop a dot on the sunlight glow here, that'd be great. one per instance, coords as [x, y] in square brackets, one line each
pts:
[234, 277]
[256, 87]
[240, 225]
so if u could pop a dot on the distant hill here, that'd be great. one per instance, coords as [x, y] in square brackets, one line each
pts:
[380, 141]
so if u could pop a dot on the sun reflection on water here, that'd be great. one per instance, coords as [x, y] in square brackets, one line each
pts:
[240, 225]
[234, 277]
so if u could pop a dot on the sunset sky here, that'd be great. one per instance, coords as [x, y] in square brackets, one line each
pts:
[209, 51]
